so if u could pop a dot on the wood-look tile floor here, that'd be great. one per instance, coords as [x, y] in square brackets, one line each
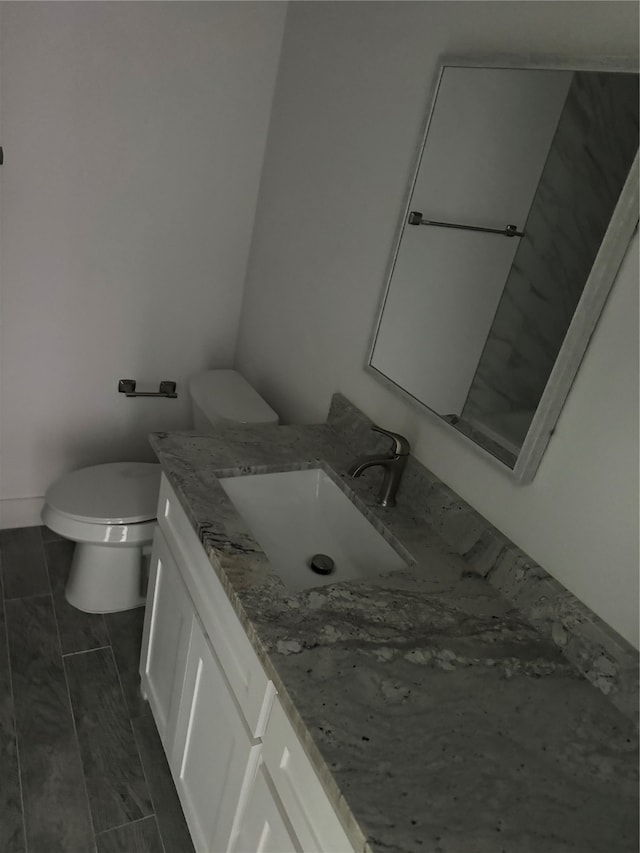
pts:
[82, 769]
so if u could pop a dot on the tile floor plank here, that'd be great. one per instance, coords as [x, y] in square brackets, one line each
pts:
[166, 805]
[39, 750]
[23, 567]
[115, 781]
[79, 631]
[12, 838]
[125, 632]
[49, 535]
[56, 812]
[139, 837]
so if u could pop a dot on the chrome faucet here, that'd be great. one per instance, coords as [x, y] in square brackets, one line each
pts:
[393, 464]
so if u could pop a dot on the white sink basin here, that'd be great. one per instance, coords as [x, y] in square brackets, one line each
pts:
[295, 515]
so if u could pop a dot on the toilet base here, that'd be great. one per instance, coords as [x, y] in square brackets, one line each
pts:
[105, 579]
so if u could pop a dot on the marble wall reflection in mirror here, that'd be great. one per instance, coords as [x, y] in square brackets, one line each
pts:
[486, 328]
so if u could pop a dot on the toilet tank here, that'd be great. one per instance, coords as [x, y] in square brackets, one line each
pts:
[224, 397]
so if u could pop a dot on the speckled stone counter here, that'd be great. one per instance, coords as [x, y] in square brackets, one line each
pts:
[438, 717]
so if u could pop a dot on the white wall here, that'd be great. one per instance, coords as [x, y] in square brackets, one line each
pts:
[134, 135]
[349, 103]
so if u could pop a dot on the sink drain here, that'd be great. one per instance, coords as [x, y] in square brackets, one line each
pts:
[321, 564]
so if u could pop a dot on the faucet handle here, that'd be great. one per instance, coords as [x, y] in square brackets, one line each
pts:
[401, 445]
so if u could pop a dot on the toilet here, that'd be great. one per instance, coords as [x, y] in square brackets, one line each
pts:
[109, 510]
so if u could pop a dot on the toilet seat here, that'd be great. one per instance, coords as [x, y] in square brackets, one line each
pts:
[118, 493]
[99, 534]
[112, 504]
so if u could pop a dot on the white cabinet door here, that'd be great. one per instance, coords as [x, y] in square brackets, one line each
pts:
[263, 826]
[165, 640]
[244, 672]
[214, 757]
[299, 789]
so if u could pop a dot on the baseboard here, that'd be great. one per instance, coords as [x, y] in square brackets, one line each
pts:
[20, 512]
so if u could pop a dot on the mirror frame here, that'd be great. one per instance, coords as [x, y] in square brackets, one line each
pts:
[599, 282]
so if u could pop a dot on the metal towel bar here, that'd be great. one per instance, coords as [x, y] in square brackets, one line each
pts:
[416, 218]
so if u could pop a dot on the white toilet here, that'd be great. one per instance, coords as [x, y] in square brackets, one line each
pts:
[109, 511]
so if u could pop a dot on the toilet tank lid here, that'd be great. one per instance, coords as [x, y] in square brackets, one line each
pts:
[226, 394]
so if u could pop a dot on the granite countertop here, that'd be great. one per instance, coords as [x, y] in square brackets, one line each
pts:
[438, 718]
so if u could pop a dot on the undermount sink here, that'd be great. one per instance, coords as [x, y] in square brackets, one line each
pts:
[298, 515]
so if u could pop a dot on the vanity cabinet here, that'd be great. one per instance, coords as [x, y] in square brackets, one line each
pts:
[242, 776]
[211, 752]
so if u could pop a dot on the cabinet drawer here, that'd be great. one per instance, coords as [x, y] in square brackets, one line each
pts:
[312, 816]
[244, 672]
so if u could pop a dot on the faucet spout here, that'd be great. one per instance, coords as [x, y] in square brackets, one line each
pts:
[364, 462]
[393, 465]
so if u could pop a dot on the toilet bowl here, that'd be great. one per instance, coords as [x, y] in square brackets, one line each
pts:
[109, 510]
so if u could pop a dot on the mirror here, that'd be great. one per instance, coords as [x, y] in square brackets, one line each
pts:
[523, 201]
